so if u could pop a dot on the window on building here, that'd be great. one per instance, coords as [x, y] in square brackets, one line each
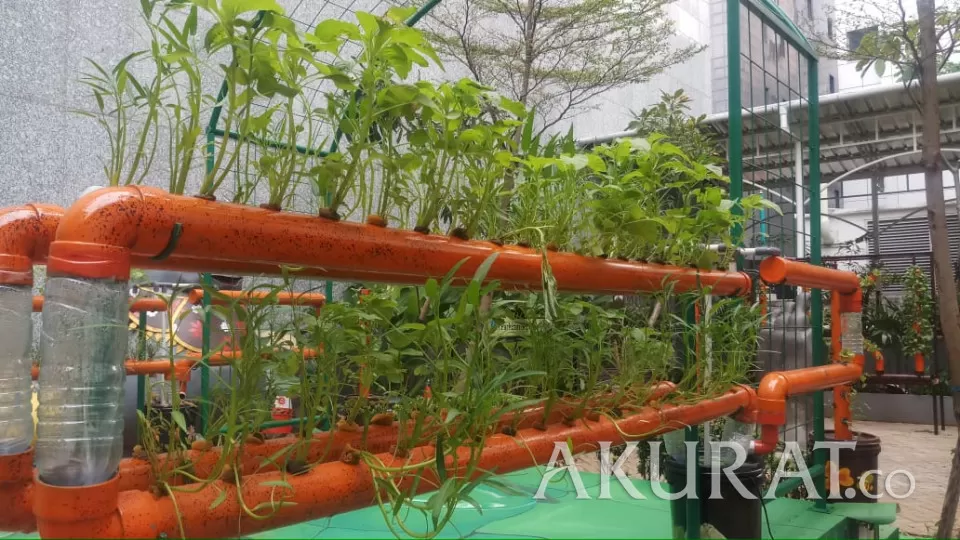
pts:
[836, 200]
[833, 85]
[854, 37]
[830, 28]
[810, 8]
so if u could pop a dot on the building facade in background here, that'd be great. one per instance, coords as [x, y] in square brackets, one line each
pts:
[788, 71]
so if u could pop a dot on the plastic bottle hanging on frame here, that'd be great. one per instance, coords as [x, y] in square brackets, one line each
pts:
[852, 333]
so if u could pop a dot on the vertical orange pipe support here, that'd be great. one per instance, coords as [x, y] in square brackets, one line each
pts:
[879, 364]
[918, 364]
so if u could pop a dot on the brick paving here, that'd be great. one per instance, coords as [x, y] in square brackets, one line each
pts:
[914, 447]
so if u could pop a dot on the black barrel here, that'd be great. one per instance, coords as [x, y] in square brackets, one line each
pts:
[857, 467]
[732, 514]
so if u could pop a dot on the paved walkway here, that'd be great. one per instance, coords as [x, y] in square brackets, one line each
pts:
[914, 447]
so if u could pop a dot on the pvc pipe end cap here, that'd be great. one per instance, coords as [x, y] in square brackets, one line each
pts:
[773, 270]
[87, 260]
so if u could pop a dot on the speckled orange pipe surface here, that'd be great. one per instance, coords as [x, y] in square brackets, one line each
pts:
[333, 487]
[25, 236]
[105, 229]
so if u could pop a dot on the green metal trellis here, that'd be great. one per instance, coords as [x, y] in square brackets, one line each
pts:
[773, 89]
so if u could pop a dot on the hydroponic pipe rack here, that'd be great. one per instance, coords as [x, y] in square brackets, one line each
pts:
[91, 250]
[102, 511]
[106, 229]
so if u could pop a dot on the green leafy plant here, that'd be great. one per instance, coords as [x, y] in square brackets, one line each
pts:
[917, 311]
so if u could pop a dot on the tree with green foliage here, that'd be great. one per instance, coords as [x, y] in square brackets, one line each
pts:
[556, 56]
[919, 47]
[671, 118]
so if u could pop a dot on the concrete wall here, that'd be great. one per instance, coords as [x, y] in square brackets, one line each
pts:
[897, 408]
[613, 110]
[48, 153]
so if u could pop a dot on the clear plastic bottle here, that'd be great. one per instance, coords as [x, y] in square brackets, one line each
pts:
[738, 433]
[16, 404]
[83, 344]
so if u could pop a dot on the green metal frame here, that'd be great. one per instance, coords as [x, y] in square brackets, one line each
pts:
[773, 19]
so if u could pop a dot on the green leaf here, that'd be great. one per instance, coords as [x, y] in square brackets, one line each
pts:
[440, 461]
[332, 29]
[178, 419]
[276, 483]
[233, 8]
[647, 229]
[517, 405]
[432, 288]
[526, 136]
[368, 22]
[219, 500]
[481, 274]
[880, 67]
[470, 500]
[272, 505]
[190, 26]
[596, 163]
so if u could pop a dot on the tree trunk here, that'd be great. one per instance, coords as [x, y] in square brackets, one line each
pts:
[937, 214]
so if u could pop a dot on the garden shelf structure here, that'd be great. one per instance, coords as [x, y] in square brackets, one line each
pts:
[108, 230]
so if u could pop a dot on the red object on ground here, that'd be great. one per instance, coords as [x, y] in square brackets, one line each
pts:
[282, 410]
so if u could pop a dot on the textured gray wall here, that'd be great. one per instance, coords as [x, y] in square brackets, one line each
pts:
[50, 154]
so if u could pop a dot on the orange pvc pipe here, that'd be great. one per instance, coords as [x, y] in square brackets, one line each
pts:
[137, 306]
[25, 236]
[918, 364]
[777, 386]
[777, 271]
[102, 511]
[27, 231]
[180, 365]
[330, 445]
[136, 474]
[105, 229]
[16, 492]
[254, 297]
[879, 366]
